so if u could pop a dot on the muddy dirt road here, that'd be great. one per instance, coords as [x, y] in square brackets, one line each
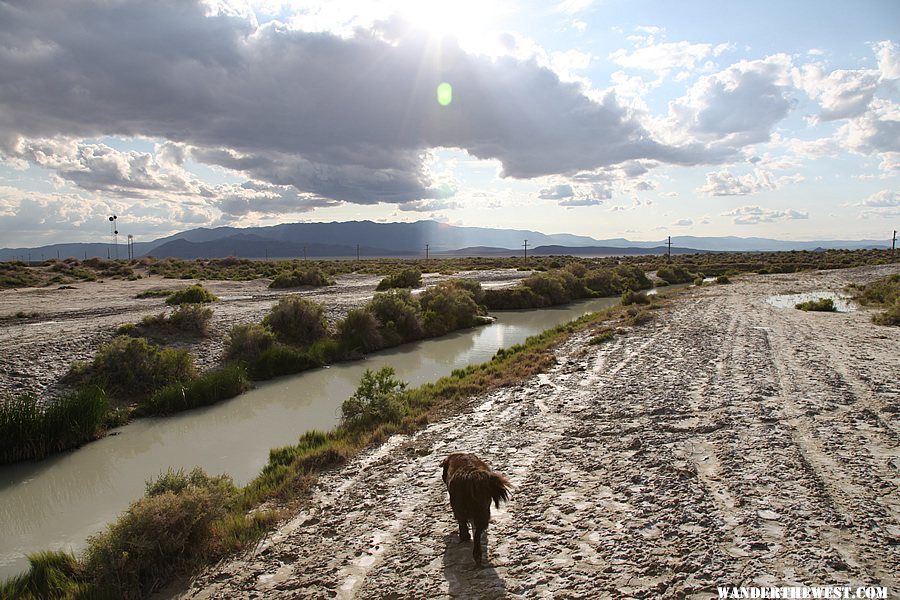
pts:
[726, 442]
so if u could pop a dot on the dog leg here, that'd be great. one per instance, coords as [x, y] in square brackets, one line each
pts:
[463, 530]
[476, 544]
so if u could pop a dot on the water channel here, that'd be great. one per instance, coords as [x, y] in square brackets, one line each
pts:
[58, 502]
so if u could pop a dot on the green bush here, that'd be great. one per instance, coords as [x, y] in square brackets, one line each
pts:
[160, 534]
[29, 431]
[378, 399]
[298, 278]
[209, 388]
[129, 367]
[603, 282]
[820, 305]
[298, 321]
[360, 331]
[192, 319]
[555, 287]
[517, 297]
[247, 342]
[194, 294]
[633, 277]
[446, 308]
[277, 361]
[407, 278]
[398, 312]
[723, 279]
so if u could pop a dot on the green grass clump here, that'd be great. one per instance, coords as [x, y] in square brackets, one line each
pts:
[52, 575]
[602, 337]
[820, 305]
[629, 297]
[298, 321]
[30, 431]
[299, 278]
[193, 294]
[407, 278]
[723, 279]
[209, 388]
[153, 294]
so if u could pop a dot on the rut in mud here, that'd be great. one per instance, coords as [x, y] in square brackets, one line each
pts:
[725, 442]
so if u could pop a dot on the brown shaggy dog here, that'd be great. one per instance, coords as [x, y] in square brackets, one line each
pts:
[472, 486]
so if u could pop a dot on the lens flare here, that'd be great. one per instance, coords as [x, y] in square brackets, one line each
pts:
[444, 94]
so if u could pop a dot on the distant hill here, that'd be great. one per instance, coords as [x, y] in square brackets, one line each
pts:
[403, 239]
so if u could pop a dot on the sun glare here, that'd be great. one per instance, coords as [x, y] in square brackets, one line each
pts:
[442, 18]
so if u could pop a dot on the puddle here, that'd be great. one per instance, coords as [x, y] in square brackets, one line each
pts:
[842, 303]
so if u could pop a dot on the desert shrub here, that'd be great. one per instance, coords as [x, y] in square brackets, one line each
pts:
[577, 269]
[29, 430]
[160, 534]
[398, 312]
[820, 305]
[129, 366]
[360, 331]
[556, 287]
[278, 360]
[407, 278]
[603, 282]
[209, 388]
[378, 399]
[193, 294]
[604, 336]
[191, 319]
[723, 279]
[446, 308]
[296, 320]
[297, 278]
[469, 285]
[629, 297]
[153, 294]
[891, 316]
[633, 277]
[512, 298]
[674, 274]
[247, 342]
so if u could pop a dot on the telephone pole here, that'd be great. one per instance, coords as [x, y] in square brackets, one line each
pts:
[669, 251]
[894, 242]
[526, 252]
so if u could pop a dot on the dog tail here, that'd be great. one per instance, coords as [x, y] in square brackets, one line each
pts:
[499, 486]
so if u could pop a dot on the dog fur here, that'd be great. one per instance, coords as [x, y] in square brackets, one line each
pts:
[472, 486]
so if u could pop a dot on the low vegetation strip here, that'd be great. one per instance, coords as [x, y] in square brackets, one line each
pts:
[187, 521]
[882, 293]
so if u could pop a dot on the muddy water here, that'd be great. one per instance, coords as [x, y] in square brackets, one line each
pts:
[57, 503]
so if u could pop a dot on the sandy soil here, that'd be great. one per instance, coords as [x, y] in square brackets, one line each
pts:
[70, 323]
[726, 442]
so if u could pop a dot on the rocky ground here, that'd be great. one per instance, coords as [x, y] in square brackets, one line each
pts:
[728, 441]
[56, 326]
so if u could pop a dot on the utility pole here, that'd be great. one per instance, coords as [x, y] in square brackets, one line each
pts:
[669, 251]
[894, 242]
[130, 247]
[526, 252]
[115, 235]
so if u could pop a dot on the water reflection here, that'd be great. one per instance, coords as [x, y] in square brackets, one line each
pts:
[59, 502]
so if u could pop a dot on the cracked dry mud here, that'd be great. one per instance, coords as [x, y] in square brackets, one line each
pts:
[725, 442]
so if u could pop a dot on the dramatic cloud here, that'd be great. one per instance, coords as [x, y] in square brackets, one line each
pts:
[754, 215]
[724, 183]
[662, 57]
[345, 118]
[736, 107]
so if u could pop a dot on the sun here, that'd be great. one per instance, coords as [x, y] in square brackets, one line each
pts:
[448, 18]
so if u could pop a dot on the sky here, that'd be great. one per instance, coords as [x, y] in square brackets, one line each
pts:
[607, 118]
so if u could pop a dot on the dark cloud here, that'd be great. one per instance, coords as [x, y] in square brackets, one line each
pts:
[348, 119]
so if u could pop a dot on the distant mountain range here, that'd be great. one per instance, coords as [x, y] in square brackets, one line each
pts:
[368, 239]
